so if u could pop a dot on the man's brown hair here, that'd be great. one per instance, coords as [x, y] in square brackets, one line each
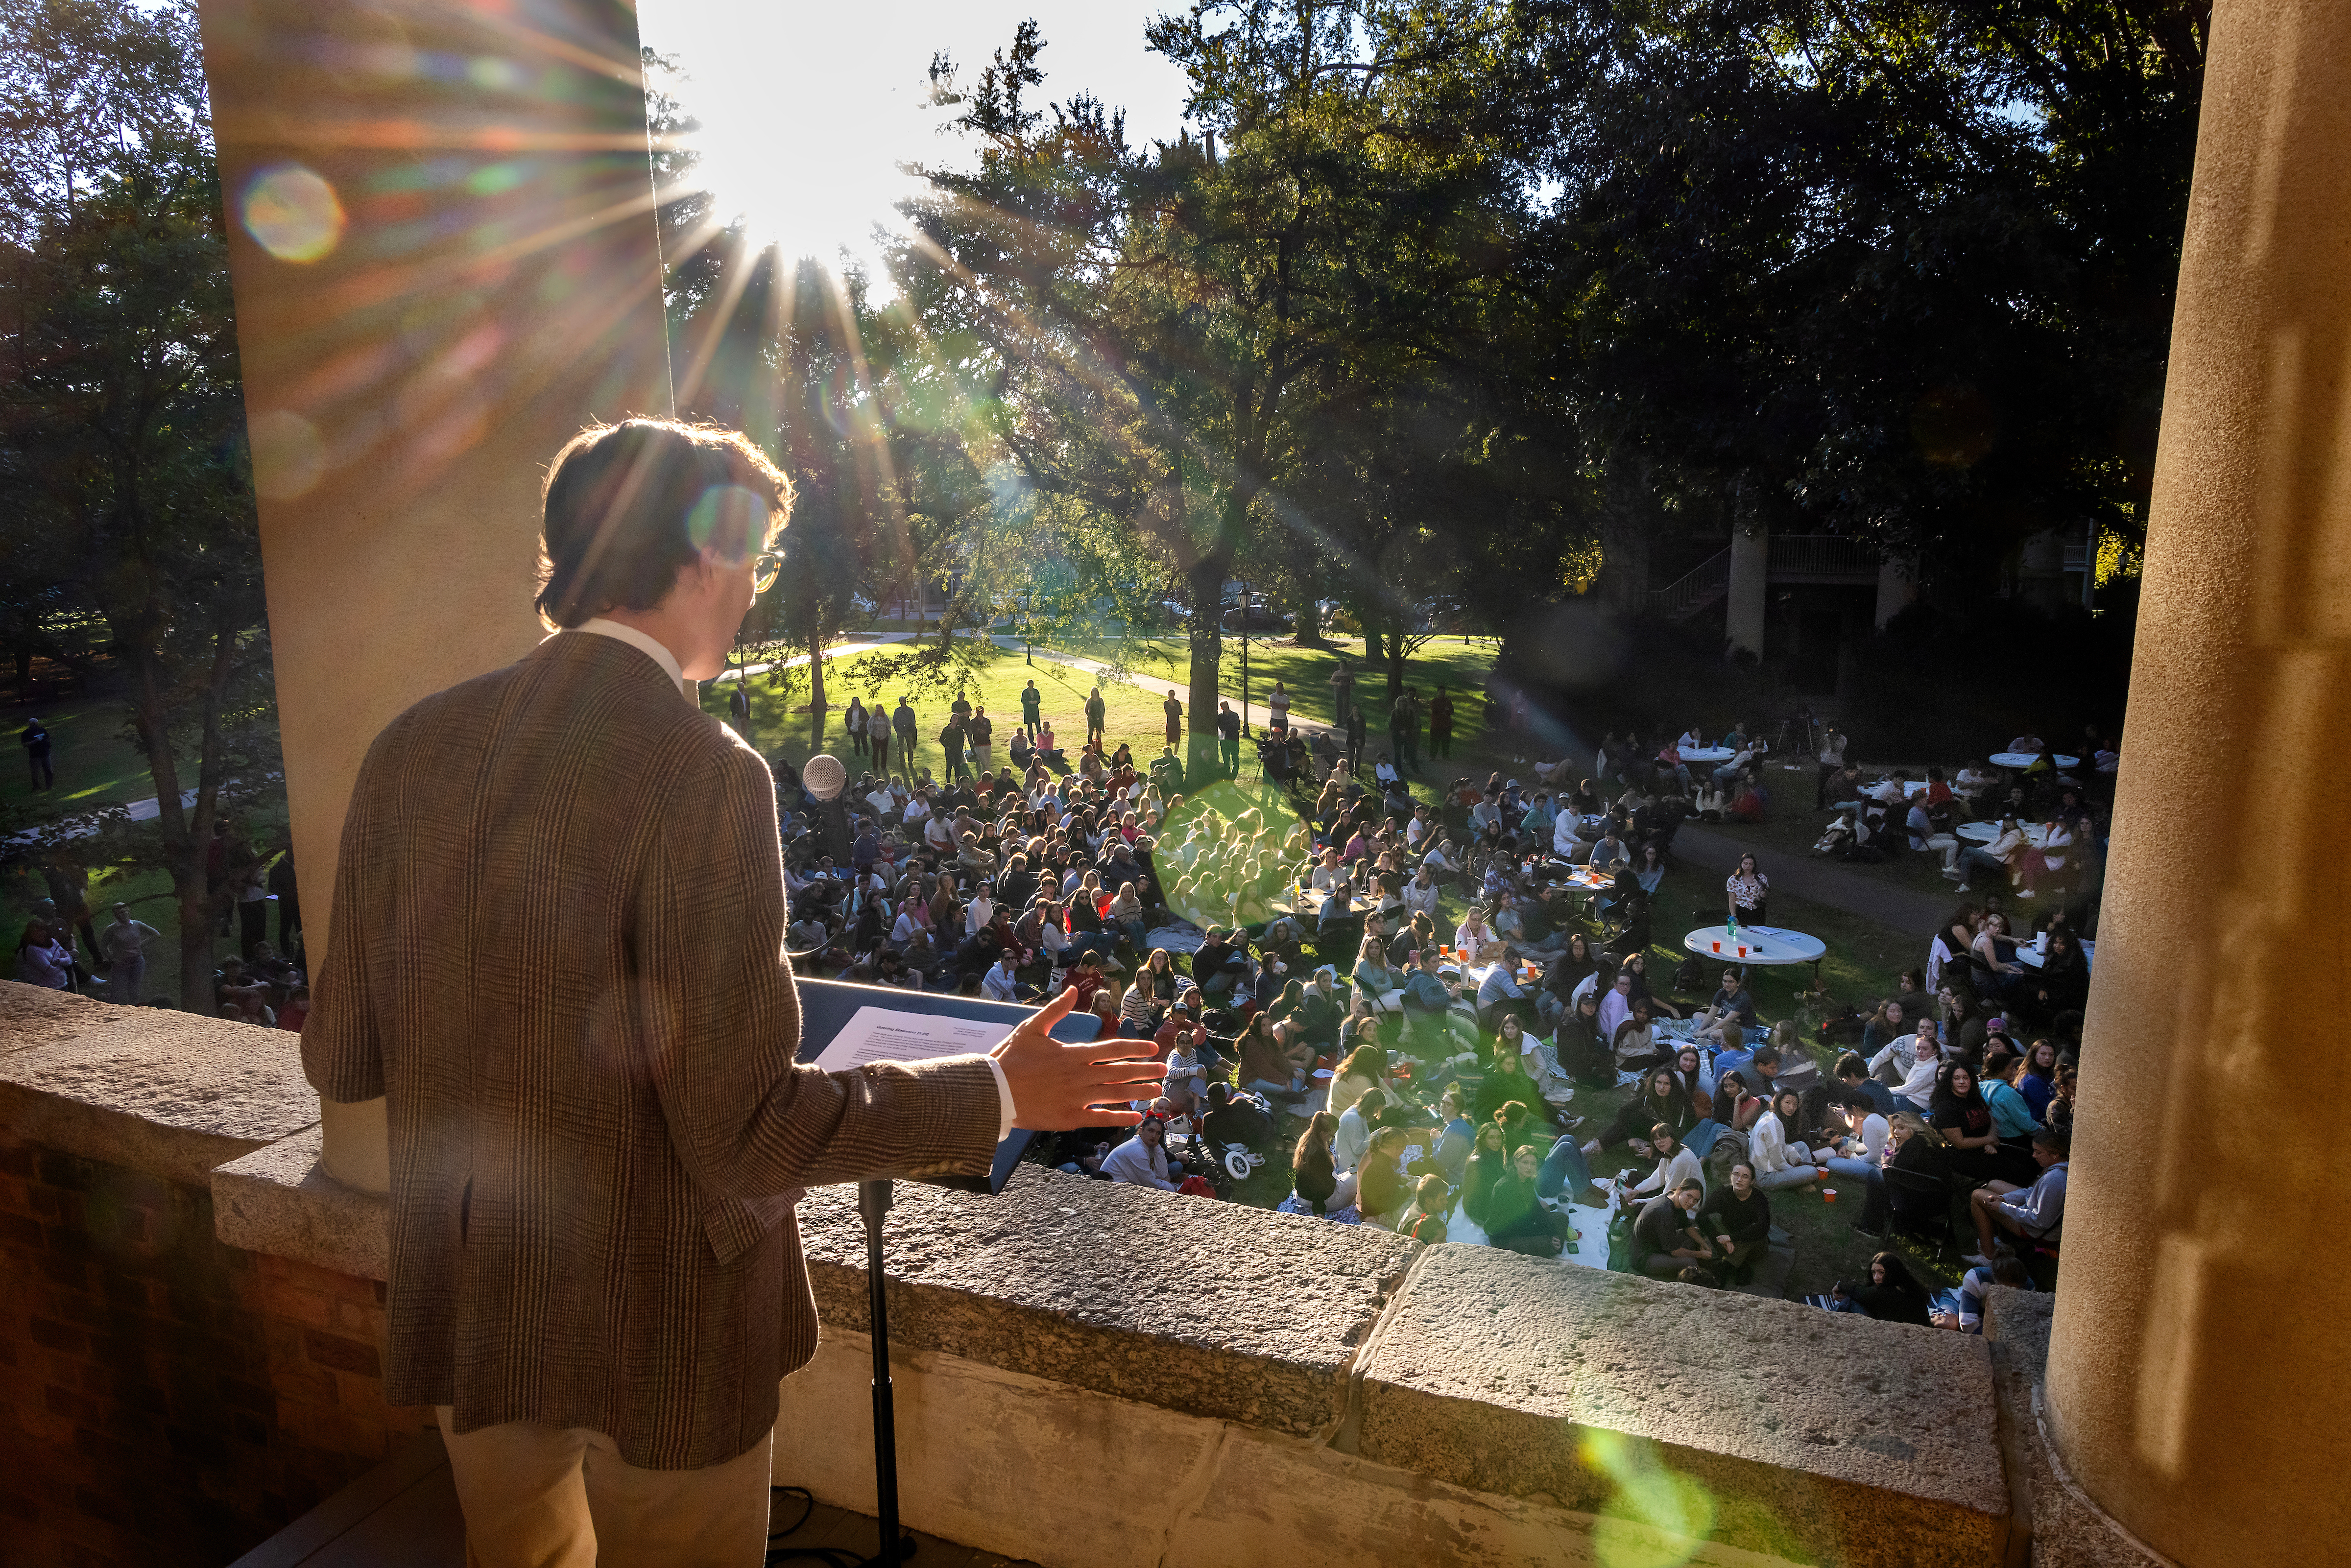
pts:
[627, 505]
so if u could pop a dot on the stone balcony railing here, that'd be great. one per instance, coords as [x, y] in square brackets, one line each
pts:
[1087, 1375]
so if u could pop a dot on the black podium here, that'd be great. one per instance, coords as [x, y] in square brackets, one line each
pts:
[826, 1008]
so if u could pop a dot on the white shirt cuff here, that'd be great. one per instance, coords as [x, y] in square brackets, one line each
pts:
[1003, 1099]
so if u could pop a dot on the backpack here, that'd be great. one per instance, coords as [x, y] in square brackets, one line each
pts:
[1730, 1148]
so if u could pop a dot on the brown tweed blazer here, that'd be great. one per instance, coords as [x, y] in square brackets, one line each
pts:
[558, 951]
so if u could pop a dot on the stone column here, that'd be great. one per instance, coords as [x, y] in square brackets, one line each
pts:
[2200, 1357]
[2040, 569]
[1749, 596]
[445, 262]
[1897, 587]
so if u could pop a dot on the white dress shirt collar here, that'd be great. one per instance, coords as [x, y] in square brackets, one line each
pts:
[650, 647]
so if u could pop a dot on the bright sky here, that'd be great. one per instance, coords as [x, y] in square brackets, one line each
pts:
[808, 108]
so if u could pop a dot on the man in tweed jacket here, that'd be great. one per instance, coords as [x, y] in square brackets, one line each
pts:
[557, 951]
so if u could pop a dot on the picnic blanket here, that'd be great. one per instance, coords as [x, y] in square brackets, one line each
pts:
[1181, 938]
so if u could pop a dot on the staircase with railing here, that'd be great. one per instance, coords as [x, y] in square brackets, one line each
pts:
[1702, 585]
[1794, 557]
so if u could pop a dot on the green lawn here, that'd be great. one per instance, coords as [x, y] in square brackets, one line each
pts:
[95, 761]
[1455, 663]
[782, 725]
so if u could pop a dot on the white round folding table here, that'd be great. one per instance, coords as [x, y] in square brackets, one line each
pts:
[1770, 946]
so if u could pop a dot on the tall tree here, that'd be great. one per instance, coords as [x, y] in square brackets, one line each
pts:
[128, 489]
[1161, 324]
[1896, 269]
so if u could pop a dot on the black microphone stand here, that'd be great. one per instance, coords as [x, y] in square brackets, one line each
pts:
[872, 1203]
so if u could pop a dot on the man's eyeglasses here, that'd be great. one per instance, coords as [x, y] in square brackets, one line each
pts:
[765, 570]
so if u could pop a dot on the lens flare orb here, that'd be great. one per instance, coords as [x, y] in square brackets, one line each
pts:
[292, 213]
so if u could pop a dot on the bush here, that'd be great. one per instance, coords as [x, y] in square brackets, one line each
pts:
[1587, 672]
[1947, 685]
[1938, 682]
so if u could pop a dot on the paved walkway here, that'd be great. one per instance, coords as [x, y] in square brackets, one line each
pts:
[1903, 909]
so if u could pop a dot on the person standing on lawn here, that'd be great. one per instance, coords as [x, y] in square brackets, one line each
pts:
[35, 739]
[1032, 709]
[982, 731]
[126, 942]
[903, 721]
[1174, 711]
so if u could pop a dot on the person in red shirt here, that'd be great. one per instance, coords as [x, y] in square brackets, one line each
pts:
[297, 1009]
[1185, 1015]
[1938, 794]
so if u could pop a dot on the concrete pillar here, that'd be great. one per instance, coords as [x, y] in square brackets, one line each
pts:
[1750, 593]
[2199, 1363]
[1897, 588]
[2040, 569]
[444, 256]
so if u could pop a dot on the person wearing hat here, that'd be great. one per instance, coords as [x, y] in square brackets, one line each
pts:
[1185, 1015]
[1427, 1001]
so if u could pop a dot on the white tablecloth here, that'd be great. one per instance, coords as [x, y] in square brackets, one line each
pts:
[1709, 754]
[1984, 832]
[2032, 960]
[1765, 945]
[2027, 759]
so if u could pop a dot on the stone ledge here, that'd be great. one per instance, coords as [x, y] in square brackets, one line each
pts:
[167, 1094]
[1815, 1436]
[1068, 1478]
[277, 1200]
[1204, 1307]
[2069, 1530]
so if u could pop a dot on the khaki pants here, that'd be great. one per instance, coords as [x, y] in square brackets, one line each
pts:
[551, 1496]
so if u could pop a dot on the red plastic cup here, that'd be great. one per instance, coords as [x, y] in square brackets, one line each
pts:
[1828, 1195]
[1717, 946]
[1742, 949]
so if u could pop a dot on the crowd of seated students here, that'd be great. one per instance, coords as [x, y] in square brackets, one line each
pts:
[2042, 838]
[1399, 1092]
[1969, 1101]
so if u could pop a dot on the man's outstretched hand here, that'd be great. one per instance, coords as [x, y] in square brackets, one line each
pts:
[1057, 1086]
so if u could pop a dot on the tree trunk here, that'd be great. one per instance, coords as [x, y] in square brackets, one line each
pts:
[198, 910]
[186, 832]
[816, 693]
[1396, 665]
[1310, 622]
[1205, 585]
[1373, 650]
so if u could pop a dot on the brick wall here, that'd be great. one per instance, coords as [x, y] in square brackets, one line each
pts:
[165, 1399]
